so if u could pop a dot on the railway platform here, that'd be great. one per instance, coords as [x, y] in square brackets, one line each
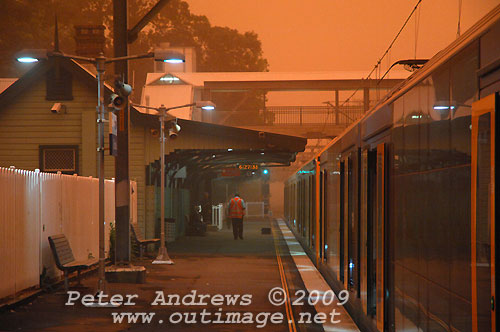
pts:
[264, 282]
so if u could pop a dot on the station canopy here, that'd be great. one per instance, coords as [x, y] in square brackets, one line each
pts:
[206, 147]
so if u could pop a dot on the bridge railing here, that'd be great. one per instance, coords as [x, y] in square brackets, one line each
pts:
[311, 115]
[289, 116]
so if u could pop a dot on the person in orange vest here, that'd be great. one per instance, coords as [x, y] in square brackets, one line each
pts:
[236, 209]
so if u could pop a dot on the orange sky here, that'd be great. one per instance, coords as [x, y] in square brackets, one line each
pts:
[326, 35]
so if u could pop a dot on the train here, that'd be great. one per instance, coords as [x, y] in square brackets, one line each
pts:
[400, 208]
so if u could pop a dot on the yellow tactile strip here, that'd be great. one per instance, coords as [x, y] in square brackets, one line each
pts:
[314, 281]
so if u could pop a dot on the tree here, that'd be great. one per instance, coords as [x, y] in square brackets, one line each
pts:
[218, 48]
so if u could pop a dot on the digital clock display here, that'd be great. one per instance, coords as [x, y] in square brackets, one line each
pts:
[252, 167]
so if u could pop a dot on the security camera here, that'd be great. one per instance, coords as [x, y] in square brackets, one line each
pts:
[122, 88]
[154, 132]
[117, 102]
[173, 131]
[125, 89]
[58, 108]
[172, 134]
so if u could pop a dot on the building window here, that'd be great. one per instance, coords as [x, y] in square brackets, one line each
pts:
[55, 158]
[59, 84]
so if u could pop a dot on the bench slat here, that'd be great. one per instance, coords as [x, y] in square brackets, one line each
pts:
[85, 264]
[138, 236]
[61, 250]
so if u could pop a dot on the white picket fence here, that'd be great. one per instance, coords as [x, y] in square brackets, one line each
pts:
[218, 216]
[255, 209]
[35, 205]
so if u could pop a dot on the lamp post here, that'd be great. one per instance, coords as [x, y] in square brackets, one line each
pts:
[30, 56]
[163, 257]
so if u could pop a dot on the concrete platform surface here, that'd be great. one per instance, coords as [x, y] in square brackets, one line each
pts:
[216, 284]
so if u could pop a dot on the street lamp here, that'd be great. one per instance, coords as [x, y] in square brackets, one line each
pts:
[163, 257]
[28, 56]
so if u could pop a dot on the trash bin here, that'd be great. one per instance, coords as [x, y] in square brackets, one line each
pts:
[170, 229]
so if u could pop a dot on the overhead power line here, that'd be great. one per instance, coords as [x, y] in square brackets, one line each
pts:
[386, 51]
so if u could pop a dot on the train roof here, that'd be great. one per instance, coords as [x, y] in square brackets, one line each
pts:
[440, 58]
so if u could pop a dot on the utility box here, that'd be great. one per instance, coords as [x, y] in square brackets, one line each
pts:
[170, 229]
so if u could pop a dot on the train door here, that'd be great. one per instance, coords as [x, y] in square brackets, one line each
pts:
[324, 216]
[373, 199]
[321, 211]
[363, 226]
[341, 205]
[483, 214]
[312, 211]
[366, 266]
[380, 230]
[348, 241]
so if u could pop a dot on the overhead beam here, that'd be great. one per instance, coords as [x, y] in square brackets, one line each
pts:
[300, 85]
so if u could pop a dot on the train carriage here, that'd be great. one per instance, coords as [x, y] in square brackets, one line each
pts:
[400, 208]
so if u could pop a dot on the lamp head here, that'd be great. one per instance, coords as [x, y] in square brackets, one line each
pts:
[31, 55]
[205, 105]
[169, 56]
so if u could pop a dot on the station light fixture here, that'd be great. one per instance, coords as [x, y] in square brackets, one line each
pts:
[31, 55]
[444, 105]
[205, 105]
[169, 56]
[35, 55]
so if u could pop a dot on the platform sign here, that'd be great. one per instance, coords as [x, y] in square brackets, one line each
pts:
[113, 134]
[231, 171]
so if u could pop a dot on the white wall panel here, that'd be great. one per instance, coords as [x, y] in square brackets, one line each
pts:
[7, 232]
[34, 206]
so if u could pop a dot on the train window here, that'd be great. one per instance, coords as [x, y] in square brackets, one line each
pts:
[439, 127]
[490, 48]
[464, 89]
[412, 114]
[441, 105]
[397, 134]
[463, 82]
[425, 92]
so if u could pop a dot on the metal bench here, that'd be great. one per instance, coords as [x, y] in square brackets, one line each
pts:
[65, 261]
[141, 242]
